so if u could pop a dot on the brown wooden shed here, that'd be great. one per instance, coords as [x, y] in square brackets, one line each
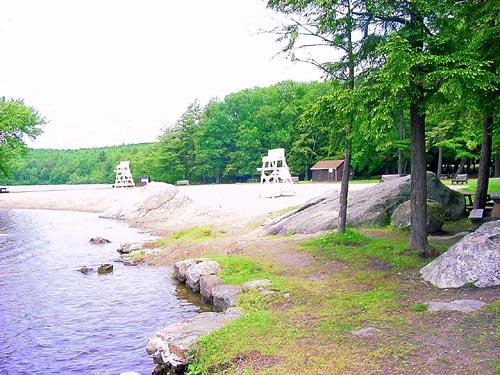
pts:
[327, 170]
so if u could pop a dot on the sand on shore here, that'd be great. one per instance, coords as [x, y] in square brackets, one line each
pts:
[229, 202]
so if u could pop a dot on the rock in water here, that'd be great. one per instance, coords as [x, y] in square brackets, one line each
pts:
[207, 284]
[181, 267]
[401, 217]
[475, 259]
[99, 241]
[369, 207]
[194, 272]
[170, 346]
[105, 268]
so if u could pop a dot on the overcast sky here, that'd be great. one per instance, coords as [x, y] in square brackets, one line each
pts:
[106, 72]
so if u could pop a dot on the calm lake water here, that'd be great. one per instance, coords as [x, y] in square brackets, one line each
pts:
[55, 320]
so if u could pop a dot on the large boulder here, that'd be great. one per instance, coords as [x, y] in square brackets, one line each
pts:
[475, 259]
[155, 196]
[170, 346]
[207, 284]
[369, 207]
[225, 296]
[194, 272]
[181, 267]
[401, 217]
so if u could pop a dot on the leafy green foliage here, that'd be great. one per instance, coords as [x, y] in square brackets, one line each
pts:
[17, 121]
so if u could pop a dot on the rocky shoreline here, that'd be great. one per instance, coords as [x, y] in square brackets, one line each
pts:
[170, 347]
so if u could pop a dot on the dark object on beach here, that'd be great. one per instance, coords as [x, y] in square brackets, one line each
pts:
[99, 241]
[105, 268]
[3, 190]
[85, 270]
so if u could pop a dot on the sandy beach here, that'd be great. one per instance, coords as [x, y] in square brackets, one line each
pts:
[236, 199]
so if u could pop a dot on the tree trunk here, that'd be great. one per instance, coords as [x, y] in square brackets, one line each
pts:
[440, 162]
[483, 175]
[461, 166]
[418, 203]
[306, 172]
[497, 165]
[344, 186]
[401, 137]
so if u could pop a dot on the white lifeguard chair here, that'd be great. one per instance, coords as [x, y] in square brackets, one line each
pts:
[275, 178]
[123, 175]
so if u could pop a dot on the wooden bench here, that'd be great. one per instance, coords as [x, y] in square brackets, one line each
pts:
[459, 179]
[389, 177]
[182, 183]
[3, 190]
[252, 180]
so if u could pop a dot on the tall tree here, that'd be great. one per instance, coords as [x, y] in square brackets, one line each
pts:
[341, 26]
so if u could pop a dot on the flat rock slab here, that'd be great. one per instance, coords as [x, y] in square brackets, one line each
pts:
[474, 259]
[366, 332]
[170, 346]
[256, 284]
[462, 305]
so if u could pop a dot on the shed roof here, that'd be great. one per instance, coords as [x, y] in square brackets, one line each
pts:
[327, 164]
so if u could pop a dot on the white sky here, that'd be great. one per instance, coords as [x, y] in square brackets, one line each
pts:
[106, 72]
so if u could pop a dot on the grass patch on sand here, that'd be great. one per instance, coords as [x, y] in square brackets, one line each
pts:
[194, 234]
[355, 248]
[239, 269]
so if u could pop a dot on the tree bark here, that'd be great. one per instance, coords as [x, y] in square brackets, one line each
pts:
[401, 137]
[346, 172]
[344, 185]
[497, 165]
[461, 166]
[483, 175]
[440, 162]
[418, 203]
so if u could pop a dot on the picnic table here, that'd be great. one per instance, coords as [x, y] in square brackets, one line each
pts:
[182, 183]
[3, 190]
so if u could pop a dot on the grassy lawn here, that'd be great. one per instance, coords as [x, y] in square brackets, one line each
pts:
[356, 280]
[470, 187]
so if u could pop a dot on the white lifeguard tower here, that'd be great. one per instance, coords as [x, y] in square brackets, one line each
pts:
[275, 178]
[123, 175]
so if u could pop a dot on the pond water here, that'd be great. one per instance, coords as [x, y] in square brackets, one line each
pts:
[56, 320]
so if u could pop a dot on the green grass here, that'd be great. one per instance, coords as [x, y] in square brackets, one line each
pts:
[194, 234]
[354, 248]
[470, 187]
[419, 307]
[313, 324]
[239, 269]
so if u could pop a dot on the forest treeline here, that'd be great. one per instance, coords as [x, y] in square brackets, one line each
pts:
[225, 140]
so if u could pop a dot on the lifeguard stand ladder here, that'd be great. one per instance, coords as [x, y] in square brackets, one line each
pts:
[123, 175]
[275, 178]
